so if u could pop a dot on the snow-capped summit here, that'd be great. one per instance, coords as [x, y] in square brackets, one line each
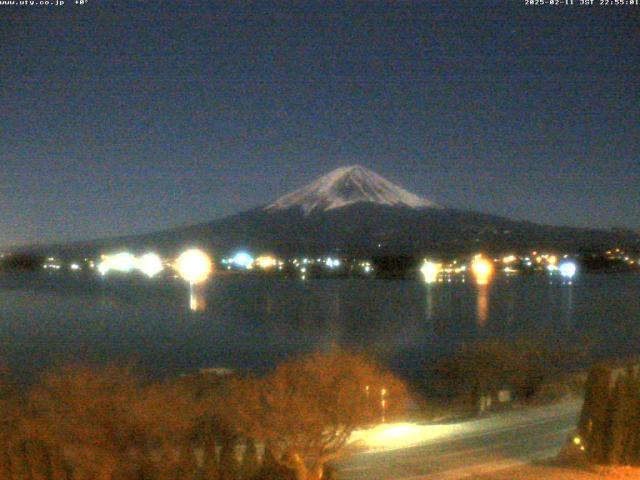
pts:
[346, 186]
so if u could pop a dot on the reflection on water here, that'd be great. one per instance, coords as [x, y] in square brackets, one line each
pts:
[251, 322]
[335, 315]
[197, 299]
[269, 304]
[429, 302]
[510, 305]
[197, 302]
[482, 305]
[567, 306]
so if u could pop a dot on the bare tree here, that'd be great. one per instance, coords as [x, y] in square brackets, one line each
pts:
[103, 424]
[307, 409]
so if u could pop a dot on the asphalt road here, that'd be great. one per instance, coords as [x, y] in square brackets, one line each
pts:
[453, 451]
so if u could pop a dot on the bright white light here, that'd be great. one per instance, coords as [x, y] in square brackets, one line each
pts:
[431, 271]
[150, 264]
[120, 262]
[194, 266]
[567, 269]
[75, 267]
[103, 267]
[482, 269]
[332, 262]
[123, 262]
[402, 435]
[243, 259]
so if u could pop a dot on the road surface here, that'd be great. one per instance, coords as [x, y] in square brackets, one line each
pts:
[462, 450]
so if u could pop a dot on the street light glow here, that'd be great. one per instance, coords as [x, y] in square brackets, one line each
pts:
[194, 266]
[123, 262]
[150, 264]
[430, 271]
[332, 262]
[568, 269]
[266, 262]
[482, 269]
[243, 259]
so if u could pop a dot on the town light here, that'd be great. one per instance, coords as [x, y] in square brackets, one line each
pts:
[242, 259]
[150, 264]
[568, 269]
[123, 262]
[332, 262]
[194, 266]
[430, 271]
[266, 262]
[103, 268]
[482, 269]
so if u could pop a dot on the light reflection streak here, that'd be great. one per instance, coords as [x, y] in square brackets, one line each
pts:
[269, 304]
[197, 302]
[567, 297]
[429, 302]
[336, 307]
[482, 305]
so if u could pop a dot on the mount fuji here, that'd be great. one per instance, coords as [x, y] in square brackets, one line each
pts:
[353, 210]
[347, 186]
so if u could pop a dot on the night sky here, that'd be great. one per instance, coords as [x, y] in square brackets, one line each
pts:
[122, 116]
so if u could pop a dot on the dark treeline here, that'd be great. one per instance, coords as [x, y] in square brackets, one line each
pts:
[21, 262]
[595, 262]
[80, 423]
[530, 369]
[610, 418]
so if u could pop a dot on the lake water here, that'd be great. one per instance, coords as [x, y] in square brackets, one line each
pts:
[251, 322]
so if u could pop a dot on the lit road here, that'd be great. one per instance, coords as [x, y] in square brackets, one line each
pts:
[462, 450]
